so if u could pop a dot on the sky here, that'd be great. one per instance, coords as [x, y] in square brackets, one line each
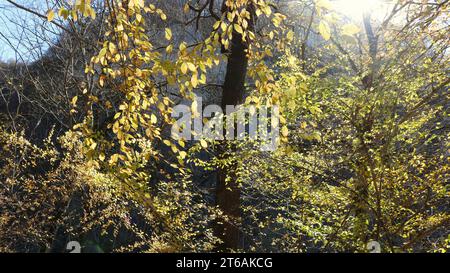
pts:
[15, 40]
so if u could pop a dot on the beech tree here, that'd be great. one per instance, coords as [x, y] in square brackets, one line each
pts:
[362, 153]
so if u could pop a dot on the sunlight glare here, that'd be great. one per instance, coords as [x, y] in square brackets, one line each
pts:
[354, 9]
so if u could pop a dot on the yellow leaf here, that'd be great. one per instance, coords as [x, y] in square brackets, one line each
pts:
[63, 13]
[350, 29]
[292, 105]
[168, 34]
[194, 107]
[194, 81]
[223, 26]
[153, 118]
[238, 28]
[184, 68]
[290, 35]
[284, 131]
[50, 15]
[191, 67]
[74, 101]
[169, 49]
[102, 52]
[168, 143]
[216, 25]
[182, 46]
[181, 143]
[324, 30]
[113, 159]
[112, 48]
[174, 148]
[140, 3]
[138, 17]
[323, 4]
[203, 143]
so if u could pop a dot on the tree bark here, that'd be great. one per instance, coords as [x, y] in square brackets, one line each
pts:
[228, 194]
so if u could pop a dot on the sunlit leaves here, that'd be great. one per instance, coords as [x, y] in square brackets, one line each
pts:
[168, 34]
[238, 29]
[284, 131]
[127, 65]
[325, 4]
[350, 29]
[194, 80]
[324, 30]
[136, 3]
[203, 143]
[290, 35]
[331, 122]
[74, 101]
[64, 13]
[50, 15]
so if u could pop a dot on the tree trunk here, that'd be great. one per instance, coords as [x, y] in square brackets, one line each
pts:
[227, 190]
